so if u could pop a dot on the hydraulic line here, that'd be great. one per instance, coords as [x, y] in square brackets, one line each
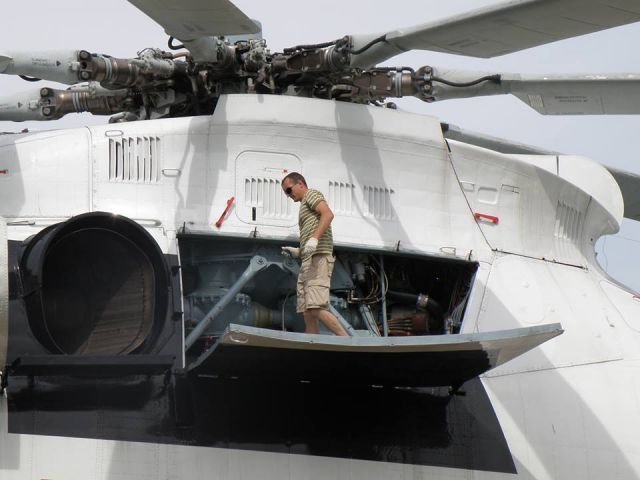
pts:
[489, 78]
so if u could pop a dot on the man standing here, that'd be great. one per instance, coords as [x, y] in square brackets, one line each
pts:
[316, 251]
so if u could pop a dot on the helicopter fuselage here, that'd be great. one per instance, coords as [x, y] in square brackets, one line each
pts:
[518, 230]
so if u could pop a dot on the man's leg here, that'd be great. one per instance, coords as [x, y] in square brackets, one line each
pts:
[311, 321]
[317, 297]
[329, 320]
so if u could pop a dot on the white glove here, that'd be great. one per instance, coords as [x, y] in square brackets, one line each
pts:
[291, 252]
[311, 246]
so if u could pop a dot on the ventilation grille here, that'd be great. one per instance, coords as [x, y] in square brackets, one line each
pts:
[341, 198]
[377, 203]
[568, 222]
[134, 159]
[267, 195]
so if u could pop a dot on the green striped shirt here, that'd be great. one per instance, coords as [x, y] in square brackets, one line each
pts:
[308, 220]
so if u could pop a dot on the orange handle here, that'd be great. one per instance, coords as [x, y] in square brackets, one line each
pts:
[492, 218]
[224, 214]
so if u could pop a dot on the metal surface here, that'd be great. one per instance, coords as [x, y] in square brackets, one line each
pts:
[501, 29]
[438, 360]
[260, 428]
[630, 186]
[93, 366]
[514, 342]
[256, 264]
[190, 19]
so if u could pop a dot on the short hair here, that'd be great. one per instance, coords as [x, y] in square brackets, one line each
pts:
[295, 177]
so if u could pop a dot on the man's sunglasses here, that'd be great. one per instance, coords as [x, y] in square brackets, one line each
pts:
[288, 190]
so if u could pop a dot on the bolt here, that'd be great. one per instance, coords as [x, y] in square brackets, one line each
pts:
[84, 55]
[85, 75]
[45, 92]
[47, 111]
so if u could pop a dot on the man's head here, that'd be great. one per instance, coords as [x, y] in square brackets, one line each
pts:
[294, 186]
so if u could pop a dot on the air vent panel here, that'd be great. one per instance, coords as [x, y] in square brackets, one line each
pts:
[134, 160]
[378, 202]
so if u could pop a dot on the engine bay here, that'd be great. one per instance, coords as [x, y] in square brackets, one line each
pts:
[249, 282]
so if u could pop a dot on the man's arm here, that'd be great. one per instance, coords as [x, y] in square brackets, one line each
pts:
[326, 216]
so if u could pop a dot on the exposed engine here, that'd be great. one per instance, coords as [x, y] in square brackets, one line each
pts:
[370, 293]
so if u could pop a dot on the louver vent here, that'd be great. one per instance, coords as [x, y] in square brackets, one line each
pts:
[134, 159]
[568, 222]
[377, 203]
[267, 195]
[341, 198]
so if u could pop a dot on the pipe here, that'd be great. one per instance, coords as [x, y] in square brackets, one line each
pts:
[421, 301]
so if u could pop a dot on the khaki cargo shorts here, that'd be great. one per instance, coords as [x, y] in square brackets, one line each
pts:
[314, 281]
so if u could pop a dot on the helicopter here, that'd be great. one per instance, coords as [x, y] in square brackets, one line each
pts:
[165, 402]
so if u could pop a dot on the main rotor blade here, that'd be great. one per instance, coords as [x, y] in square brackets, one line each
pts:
[498, 30]
[549, 95]
[56, 66]
[586, 95]
[191, 19]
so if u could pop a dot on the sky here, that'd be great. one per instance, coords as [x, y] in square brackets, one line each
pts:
[117, 28]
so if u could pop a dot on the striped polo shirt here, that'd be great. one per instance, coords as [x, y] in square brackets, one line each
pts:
[308, 220]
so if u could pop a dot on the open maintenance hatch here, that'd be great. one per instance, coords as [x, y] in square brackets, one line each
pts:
[403, 313]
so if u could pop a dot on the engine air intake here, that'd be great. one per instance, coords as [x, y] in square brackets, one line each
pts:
[95, 285]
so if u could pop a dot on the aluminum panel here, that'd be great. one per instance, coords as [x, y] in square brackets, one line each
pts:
[437, 360]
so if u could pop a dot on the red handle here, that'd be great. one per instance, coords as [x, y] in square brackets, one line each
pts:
[224, 214]
[492, 218]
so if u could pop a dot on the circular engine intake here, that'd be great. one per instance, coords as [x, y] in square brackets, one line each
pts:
[95, 285]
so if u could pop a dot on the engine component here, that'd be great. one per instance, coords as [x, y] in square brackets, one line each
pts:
[95, 285]
[418, 323]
